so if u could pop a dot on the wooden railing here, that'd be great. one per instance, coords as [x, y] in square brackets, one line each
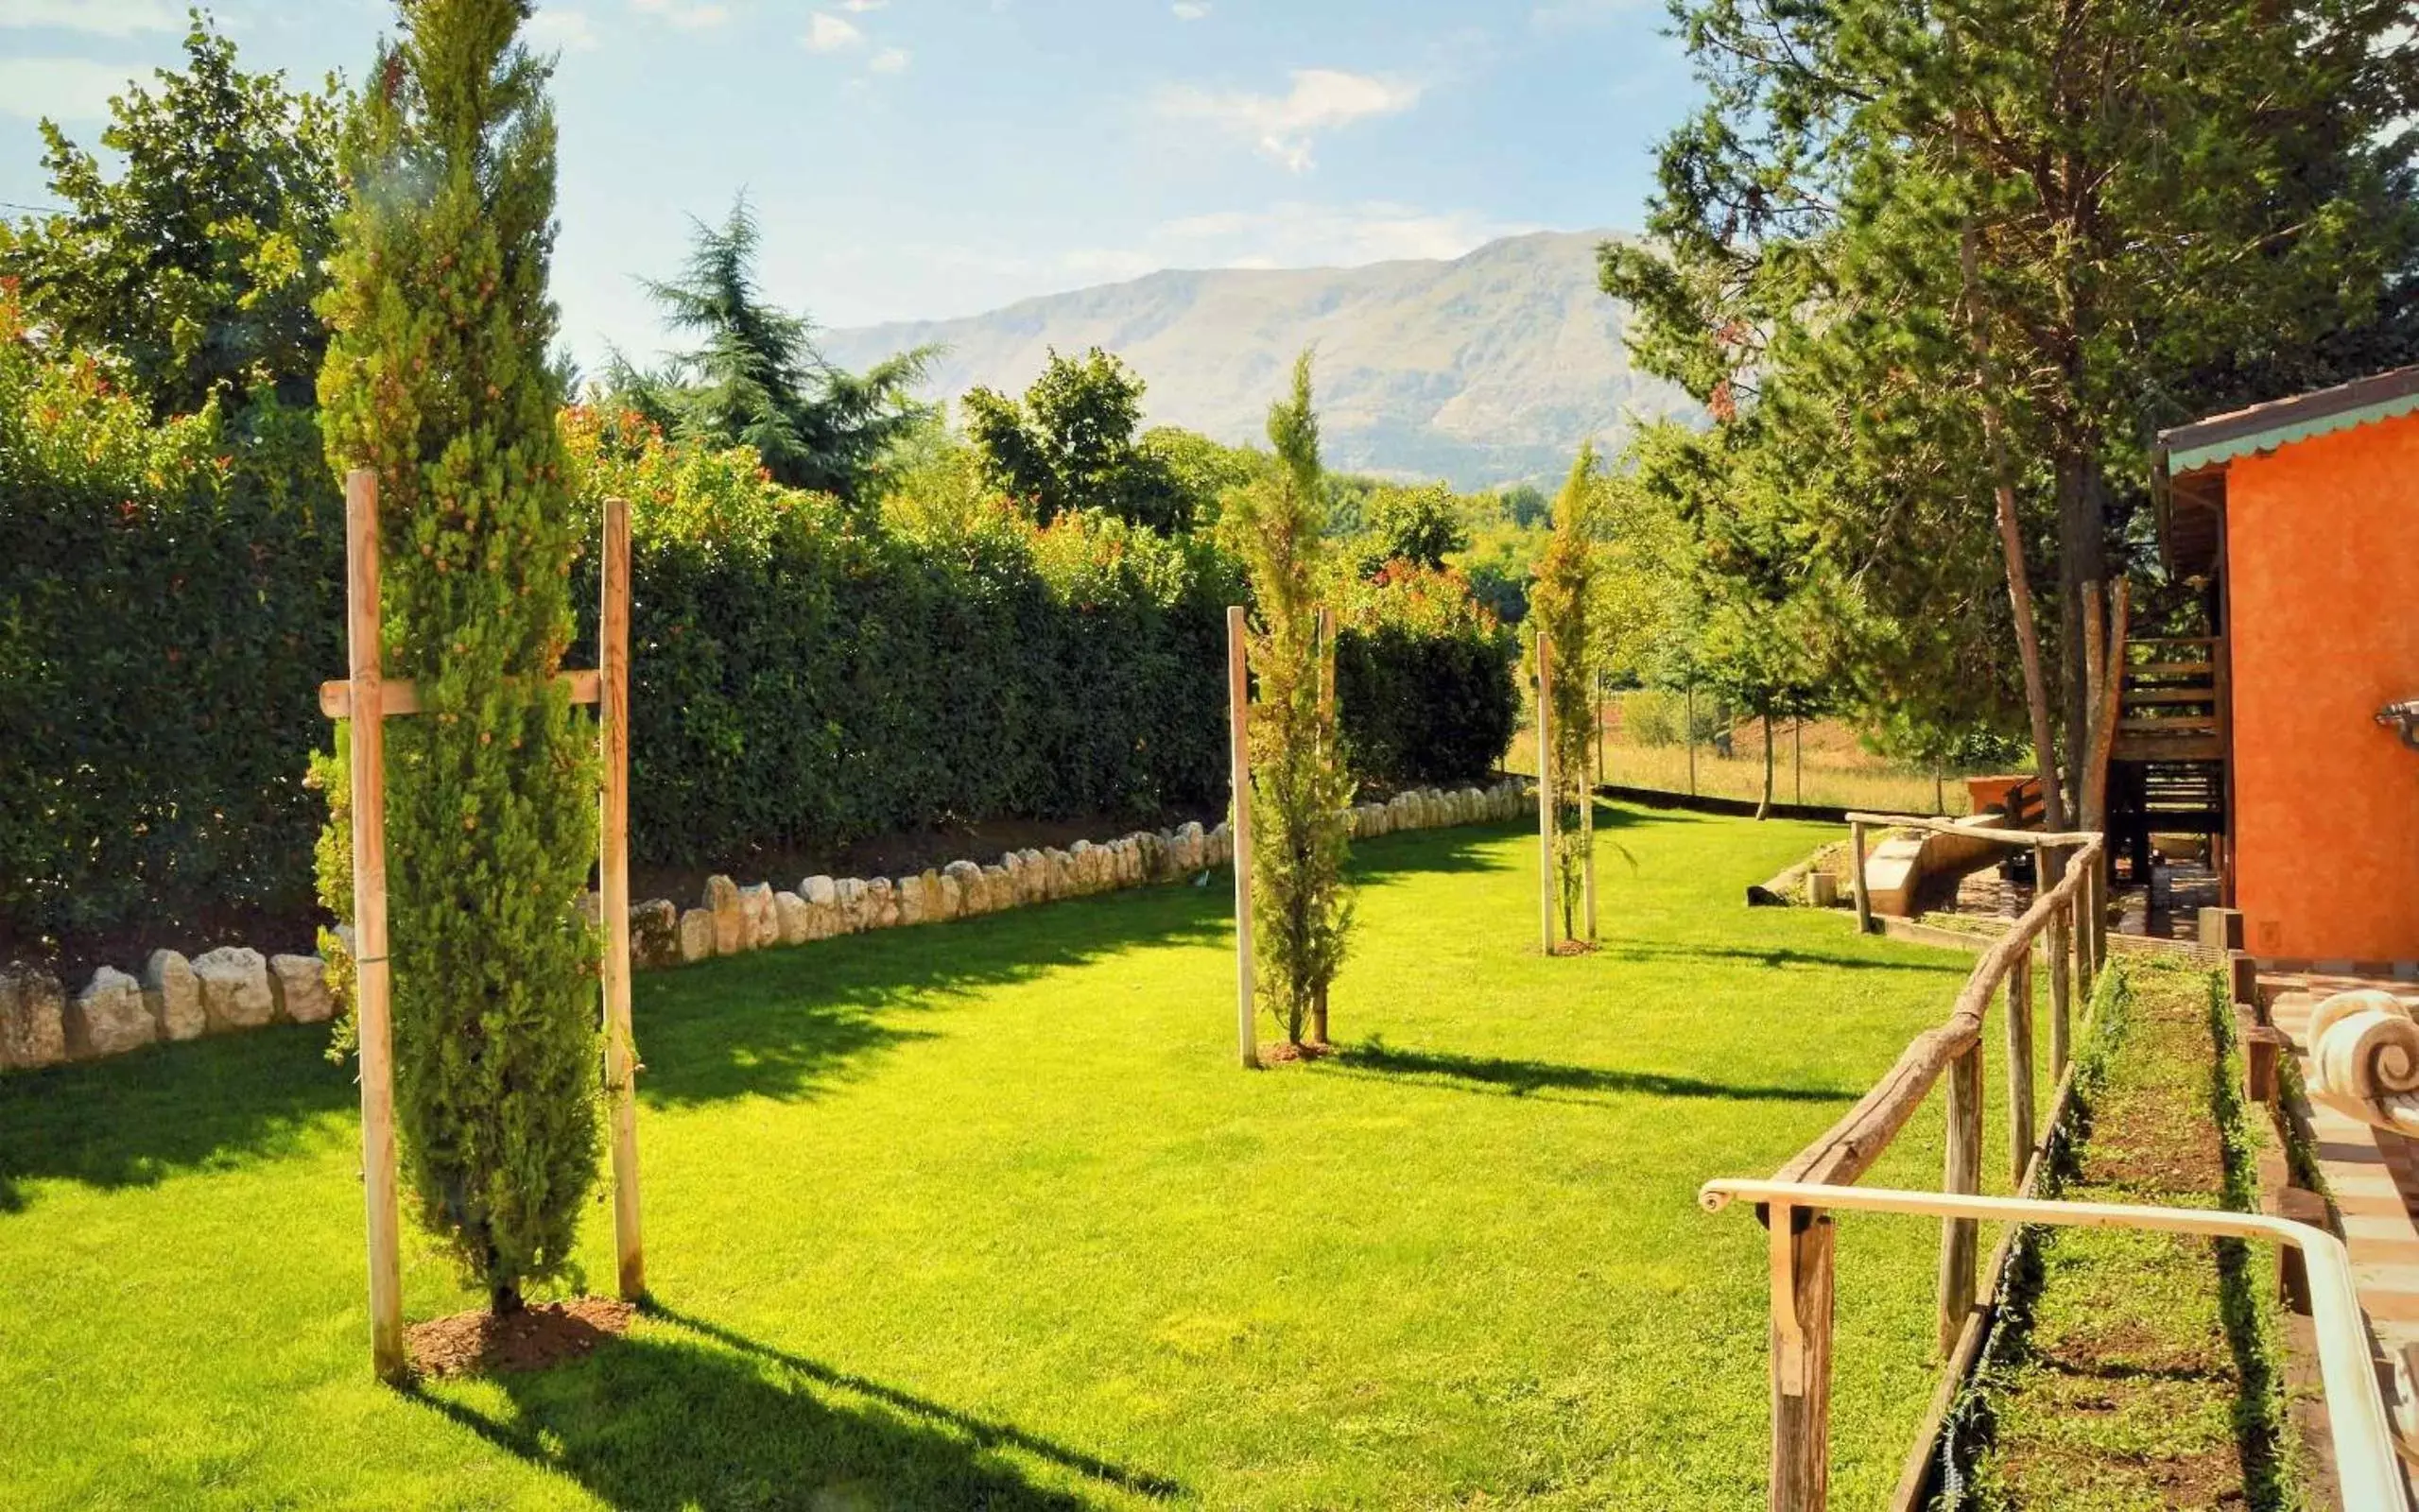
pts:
[2174, 703]
[2067, 915]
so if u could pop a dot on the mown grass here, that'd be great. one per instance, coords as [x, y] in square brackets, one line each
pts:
[1830, 776]
[984, 1216]
[2139, 1370]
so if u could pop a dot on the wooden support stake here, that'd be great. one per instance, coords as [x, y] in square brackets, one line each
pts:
[373, 986]
[613, 887]
[1857, 877]
[2060, 992]
[1961, 1172]
[1327, 739]
[1546, 789]
[2242, 976]
[1588, 844]
[2020, 1090]
[1239, 756]
[1802, 1247]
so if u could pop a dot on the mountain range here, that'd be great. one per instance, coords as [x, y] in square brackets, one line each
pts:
[1487, 368]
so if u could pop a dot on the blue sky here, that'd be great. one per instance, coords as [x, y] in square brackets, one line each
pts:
[929, 157]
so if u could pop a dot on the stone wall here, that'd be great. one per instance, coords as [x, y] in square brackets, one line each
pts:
[233, 987]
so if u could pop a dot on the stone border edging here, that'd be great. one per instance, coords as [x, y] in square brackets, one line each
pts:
[236, 987]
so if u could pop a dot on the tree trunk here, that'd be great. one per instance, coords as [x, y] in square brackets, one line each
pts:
[1691, 726]
[505, 1299]
[1764, 810]
[2036, 688]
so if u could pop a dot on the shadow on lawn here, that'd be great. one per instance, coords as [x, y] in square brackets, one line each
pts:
[698, 1416]
[136, 1119]
[1780, 957]
[1528, 1079]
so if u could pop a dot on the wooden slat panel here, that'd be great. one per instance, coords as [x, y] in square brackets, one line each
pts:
[2172, 669]
[401, 695]
[2135, 698]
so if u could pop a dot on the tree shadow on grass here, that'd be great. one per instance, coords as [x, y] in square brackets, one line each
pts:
[1782, 957]
[1548, 1081]
[134, 1120]
[694, 1416]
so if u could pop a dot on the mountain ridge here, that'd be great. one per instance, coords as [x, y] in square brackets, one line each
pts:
[1488, 368]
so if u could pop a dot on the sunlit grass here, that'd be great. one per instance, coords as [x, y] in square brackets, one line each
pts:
[985, 1215]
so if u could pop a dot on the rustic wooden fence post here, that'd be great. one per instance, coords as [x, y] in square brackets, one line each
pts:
[613, 887]
[2021, 1112]
[1857, 876]
[1961, 1173]
[373, 984]
[1327, 743]
[1239, 755]
[2049, 869]
[1802, 1247]
[1546, 789]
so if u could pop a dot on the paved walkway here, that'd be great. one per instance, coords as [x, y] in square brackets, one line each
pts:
[2372, 1180]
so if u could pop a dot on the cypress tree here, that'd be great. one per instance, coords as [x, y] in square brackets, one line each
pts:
[436, 380]
[1559, 604]
[1300, 788]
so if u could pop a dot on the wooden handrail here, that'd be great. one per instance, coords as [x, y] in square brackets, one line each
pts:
[2056, 839]
[2369, 1474]
[1850, 1147]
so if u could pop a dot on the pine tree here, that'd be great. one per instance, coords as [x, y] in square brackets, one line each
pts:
[436, 380]
[1561, 602]
[1300, 787]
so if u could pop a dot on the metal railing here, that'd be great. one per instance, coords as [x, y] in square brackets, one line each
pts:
[2366, 1466]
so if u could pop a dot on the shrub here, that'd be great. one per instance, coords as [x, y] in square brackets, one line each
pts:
[436, 380]
[168, 603]
[1424, 679]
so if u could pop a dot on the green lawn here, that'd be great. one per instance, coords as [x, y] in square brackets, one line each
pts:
[983, 1215]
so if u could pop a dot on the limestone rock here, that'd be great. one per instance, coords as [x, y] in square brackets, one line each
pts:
[721, 902]
[1062, 873]
[793, 919]
[851, 903]
[234, 988]
[654, 935]
[909, 891]
[173, 995]
[108, 1018]
[696, 936]
[951, 893]
[300, 986]
[821, 891]
[760, 916]
[939, 905]
[969, 878]
[999, 889]
[881, 905]
[33, 1029]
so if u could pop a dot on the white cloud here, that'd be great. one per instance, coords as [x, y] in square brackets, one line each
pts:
[1295, 233]
[888, 60]
[102, 17]
[63, 89]
[1282, 126]
[828, 33]
[1190, 9]
[555, 28]
[689, 15]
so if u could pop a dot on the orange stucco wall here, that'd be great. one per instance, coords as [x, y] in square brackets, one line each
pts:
[2322, 562]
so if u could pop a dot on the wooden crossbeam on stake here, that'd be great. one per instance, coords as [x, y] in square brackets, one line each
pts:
[366, 689]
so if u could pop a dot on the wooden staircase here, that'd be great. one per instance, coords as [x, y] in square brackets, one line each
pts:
[2168, 762]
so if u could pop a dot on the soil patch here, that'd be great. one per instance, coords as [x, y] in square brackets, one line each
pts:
[1575, 946]
[1284, 1050]
[539, 1336]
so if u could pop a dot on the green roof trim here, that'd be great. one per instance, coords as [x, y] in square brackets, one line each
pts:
[2286, 433]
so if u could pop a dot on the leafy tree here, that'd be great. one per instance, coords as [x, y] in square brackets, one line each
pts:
[1559, 606]
[1203, 472]
[1071, 444]
[1420, 525]
[1300, 787]
[757, 380]
[198, 262]
[436, 380]
[1974, 253]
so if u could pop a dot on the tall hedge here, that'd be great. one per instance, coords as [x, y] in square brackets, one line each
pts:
[801, 677]
[436, 380]
[168, 602]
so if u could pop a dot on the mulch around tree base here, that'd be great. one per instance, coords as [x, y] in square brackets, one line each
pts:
[1283, 1051]
[1575, 946]
[539, 1336]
